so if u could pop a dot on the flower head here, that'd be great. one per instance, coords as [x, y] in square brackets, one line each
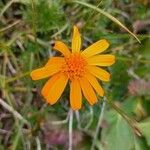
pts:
[80, 68]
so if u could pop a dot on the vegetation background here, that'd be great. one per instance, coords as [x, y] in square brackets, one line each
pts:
[28, 29]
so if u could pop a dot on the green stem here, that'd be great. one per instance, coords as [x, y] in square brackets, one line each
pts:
[98, 124]
[70, 129]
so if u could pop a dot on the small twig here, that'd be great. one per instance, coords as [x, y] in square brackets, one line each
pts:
[39, 41]
[106, 14]
[133, 74]
[143, 61]
[10, 26]
[11, 68]
[13, 111]
[28, 144]
[98, 124]
[13, 39]
[60, 31]
[90, 120]
[78, 118]
[92, 13]
[61, 121]
[2, 131]
[18, 77]
[38, 143]
[70, 129]
[20, 45]
[6, 7]
[34, 17]
[3, 115]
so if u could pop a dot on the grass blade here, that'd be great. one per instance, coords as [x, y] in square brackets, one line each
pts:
[108, 16]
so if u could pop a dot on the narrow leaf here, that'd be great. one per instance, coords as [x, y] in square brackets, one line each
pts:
[108, 16]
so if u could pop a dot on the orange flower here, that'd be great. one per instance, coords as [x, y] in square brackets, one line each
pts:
[80, 68]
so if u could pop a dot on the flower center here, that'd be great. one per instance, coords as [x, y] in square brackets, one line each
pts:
[74, 66]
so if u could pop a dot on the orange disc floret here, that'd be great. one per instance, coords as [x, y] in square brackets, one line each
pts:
[74, 66]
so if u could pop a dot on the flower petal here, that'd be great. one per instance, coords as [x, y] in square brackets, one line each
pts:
[99, 73]
[55, 60]
[76, 40]
[95, 84]
[46, 89]
[44, 72]
[56, 88]
[61, 47]
[96, 48]
[75, 95]
[101, 60]
[88, 91]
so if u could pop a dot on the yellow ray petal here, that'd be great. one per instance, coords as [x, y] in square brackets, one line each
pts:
[45, 72]
[95, 84]
[88, 91]
[75, 95]
[96, 48]
[99, 73]
[46, 89]
[101, 60]
[76, 40]
[55, 60]
[55, 89]
[61, 47]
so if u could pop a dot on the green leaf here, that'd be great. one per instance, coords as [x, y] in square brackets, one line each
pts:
[145, 129]
[140, 144]
[119, 134]
[144, 49]
[130, 104]
[120, 79]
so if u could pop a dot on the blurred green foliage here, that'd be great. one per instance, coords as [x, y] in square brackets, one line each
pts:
[48, 15]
